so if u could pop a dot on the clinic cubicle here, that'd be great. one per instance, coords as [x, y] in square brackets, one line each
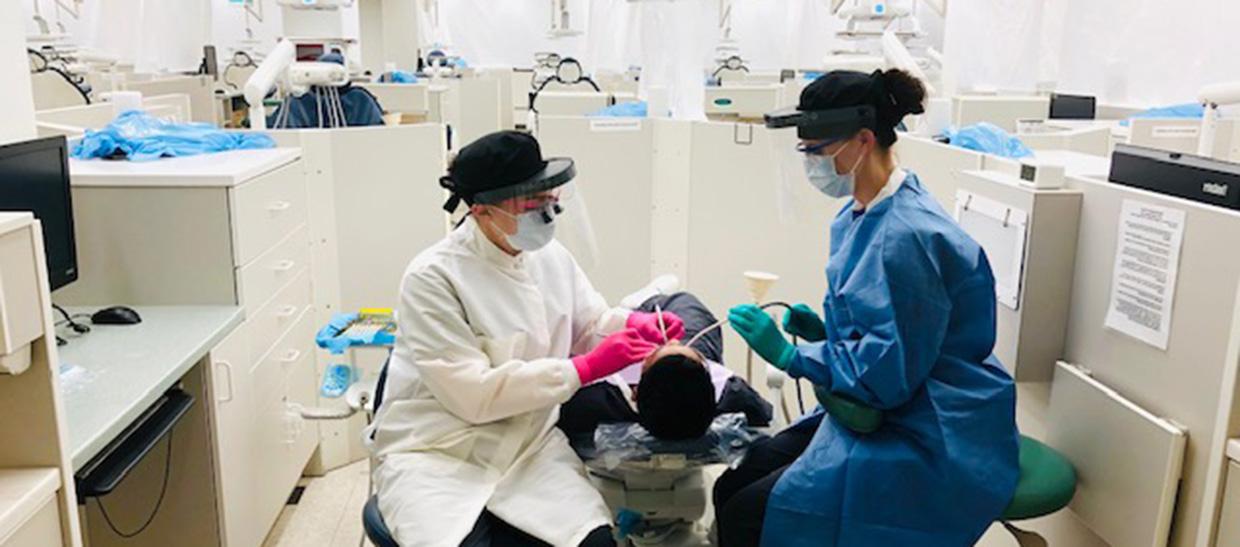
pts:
[374, 203]
[699, 200]
[73, 121]
[1178, 406]
[714, 214]
[1193, 382]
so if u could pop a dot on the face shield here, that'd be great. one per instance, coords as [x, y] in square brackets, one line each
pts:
[552, 198]
[815, 131]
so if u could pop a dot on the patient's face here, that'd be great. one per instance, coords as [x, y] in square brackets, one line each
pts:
[675, 347]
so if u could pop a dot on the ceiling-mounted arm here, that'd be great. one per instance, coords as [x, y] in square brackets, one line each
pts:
[264, 78]
[39, 20]
[1214, 98]
[561, 20]
[939, 6]
[725, 19]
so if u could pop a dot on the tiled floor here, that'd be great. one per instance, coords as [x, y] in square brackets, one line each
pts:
[329, 513]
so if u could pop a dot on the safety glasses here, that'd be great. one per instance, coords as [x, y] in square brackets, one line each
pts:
[812, 149]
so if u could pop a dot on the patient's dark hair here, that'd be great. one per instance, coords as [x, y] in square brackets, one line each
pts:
[676, 400]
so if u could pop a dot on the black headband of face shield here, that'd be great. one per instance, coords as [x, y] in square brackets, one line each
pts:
[833, 124]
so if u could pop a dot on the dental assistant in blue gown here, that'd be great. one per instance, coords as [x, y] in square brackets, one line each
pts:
[909, 330]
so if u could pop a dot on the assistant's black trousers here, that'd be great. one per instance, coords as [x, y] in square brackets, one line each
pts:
[490, 531]
[741, 494]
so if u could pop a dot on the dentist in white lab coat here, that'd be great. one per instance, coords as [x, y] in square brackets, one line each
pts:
[490, 319]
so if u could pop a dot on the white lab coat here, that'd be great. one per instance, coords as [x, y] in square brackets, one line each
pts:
[476, 378]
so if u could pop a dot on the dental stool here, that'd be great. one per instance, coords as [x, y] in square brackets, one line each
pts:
[1047, 479]
[376, 530]
[1047, 484]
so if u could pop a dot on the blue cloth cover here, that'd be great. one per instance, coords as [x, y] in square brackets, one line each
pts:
[138, 136]
[631, 109]
[988, 138]
[1178, 111]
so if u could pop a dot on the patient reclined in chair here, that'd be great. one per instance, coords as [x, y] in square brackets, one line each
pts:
[677, 392]
[646, 432]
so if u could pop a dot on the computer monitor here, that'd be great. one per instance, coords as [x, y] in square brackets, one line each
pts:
[210, 63]
[1200, 179]
[34, 176]
[1073, 107]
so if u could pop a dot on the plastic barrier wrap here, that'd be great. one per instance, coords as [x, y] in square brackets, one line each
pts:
[138, 136]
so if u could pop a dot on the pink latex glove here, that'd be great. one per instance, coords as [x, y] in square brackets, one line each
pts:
[647, 324]
[612, 355]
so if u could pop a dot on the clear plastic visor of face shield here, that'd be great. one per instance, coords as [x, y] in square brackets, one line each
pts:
[546, 200]
[796, 195]
[795, 135]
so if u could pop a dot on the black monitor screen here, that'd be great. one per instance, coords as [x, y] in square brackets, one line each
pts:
[1073, 107]
[34, 176]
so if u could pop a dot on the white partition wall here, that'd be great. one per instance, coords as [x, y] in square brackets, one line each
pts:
[1195, 377]
[615, 173]
[1033, 324]
[402, 98]
[201, 91]
[471, 107]
[375, 203]
[735, 225]
[1001, 110]
[937, 165]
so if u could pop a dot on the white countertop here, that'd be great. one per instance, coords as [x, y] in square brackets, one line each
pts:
[23, 492]
[213, 170]
[112, 374]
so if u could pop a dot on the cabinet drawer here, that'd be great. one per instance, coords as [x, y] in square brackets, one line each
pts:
[302, 388]
[279, 314]
[292, 353]
[284, 441]
[260, 280]
[267, 210]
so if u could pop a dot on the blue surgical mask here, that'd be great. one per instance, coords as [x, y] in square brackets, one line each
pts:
[821, 172]
[535, 229]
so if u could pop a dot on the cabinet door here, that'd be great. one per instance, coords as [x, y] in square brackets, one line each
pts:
[233, 398]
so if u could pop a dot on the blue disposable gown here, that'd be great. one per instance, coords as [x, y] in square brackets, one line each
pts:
[910, 321]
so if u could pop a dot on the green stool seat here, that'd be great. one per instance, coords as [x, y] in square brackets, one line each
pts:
[1047, 482]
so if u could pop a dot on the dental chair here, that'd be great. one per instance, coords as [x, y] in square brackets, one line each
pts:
[658, 488]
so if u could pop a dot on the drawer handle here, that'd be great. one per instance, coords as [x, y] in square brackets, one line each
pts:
[279, 206]
[287, 312]
[225, 365]
[284, 266]
[291, 357]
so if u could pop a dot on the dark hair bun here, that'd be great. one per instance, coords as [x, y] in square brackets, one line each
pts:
[908, 94]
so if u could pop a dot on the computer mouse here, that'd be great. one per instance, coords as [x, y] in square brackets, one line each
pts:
[116, 315]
